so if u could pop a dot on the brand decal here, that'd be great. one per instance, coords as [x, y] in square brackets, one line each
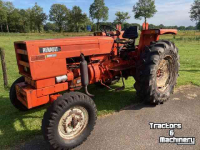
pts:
[38, 58]
[49, 49]
[49, 56]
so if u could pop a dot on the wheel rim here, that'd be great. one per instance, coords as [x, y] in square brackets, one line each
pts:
[73, 122]
[164, 73]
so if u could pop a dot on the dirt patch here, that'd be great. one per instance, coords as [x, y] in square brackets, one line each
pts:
[189, 92]
[191, 96]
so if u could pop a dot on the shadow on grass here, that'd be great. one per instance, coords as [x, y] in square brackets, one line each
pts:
[17, 127]
[108, 101]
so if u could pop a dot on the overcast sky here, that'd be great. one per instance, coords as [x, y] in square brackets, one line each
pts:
[170, 12]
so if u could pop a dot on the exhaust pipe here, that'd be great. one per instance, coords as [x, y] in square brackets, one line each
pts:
[84, 74]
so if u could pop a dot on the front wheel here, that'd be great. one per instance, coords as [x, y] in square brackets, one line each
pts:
[157, 72]
[69, 121]
[13, 96]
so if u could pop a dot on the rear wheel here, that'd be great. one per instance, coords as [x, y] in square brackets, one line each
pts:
[13, 96]
[69, 121]
[157, 73]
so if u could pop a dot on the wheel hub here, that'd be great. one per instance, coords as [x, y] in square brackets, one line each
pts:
[73, 122]
[163, 73]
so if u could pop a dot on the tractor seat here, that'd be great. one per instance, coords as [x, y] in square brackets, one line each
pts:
[131, 33]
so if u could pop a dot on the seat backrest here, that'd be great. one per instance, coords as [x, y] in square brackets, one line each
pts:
[131, 33]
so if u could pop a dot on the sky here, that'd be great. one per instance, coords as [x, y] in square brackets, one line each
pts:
[170, 12]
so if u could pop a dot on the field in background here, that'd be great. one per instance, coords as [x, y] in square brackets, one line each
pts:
[16, 127]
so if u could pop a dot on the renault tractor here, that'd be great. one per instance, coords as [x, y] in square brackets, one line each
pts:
[55, 70]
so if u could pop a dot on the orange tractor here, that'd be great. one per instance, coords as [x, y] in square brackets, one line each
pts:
[52, 70]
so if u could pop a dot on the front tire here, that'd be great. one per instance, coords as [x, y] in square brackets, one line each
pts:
[157, 72]
[13, 96]
[69, 121]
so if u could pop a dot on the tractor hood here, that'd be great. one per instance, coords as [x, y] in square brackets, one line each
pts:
[43, 55]
[88, 45]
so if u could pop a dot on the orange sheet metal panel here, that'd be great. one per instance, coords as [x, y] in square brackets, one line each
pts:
[61, 87]
[52, 89]
[146, 37]
[28, 96]
[36, 101]
[45, 91]
[48, 68]
[45, 83]
[36, 97]
[168, 31]
[48, 64]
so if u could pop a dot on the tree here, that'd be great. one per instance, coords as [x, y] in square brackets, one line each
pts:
[190, 28]
[198, 25]
[49, 27]
[182, 28]
[195, 12]
[121, 17]
[127, 25]
[8, 6]
[13, 19]
[77, 18]
[59, 14]
[98, 11]
[88, 22]
[25, 20]
[15, 22]
[161, 26]
[152, 26]
[144, 8]
[3, 15]
[38, 16]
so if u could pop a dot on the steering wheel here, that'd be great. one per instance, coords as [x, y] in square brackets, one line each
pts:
[107, 29]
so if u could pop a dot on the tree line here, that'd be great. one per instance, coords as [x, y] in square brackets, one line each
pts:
[62, 19]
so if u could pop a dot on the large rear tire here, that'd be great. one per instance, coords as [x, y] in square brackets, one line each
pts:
[69, 121]
[157, 72]
[13, 96]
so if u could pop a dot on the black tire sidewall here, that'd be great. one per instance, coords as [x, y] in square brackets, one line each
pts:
[81, 137]
[13, 96]
[146, 72]
[59, 107]
[168, 91]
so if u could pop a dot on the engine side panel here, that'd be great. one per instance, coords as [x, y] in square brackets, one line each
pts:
[47, 58]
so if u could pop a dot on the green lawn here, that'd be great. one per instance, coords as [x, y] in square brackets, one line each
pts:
[16, 127]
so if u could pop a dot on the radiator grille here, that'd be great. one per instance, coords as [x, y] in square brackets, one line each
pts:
[22, 58]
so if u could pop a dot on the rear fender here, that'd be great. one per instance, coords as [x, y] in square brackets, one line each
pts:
[148, 36]
[168, 31]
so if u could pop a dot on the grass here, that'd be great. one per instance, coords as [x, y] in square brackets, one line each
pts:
[16, 127]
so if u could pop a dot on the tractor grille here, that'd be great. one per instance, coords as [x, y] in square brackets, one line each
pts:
[22, 57]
